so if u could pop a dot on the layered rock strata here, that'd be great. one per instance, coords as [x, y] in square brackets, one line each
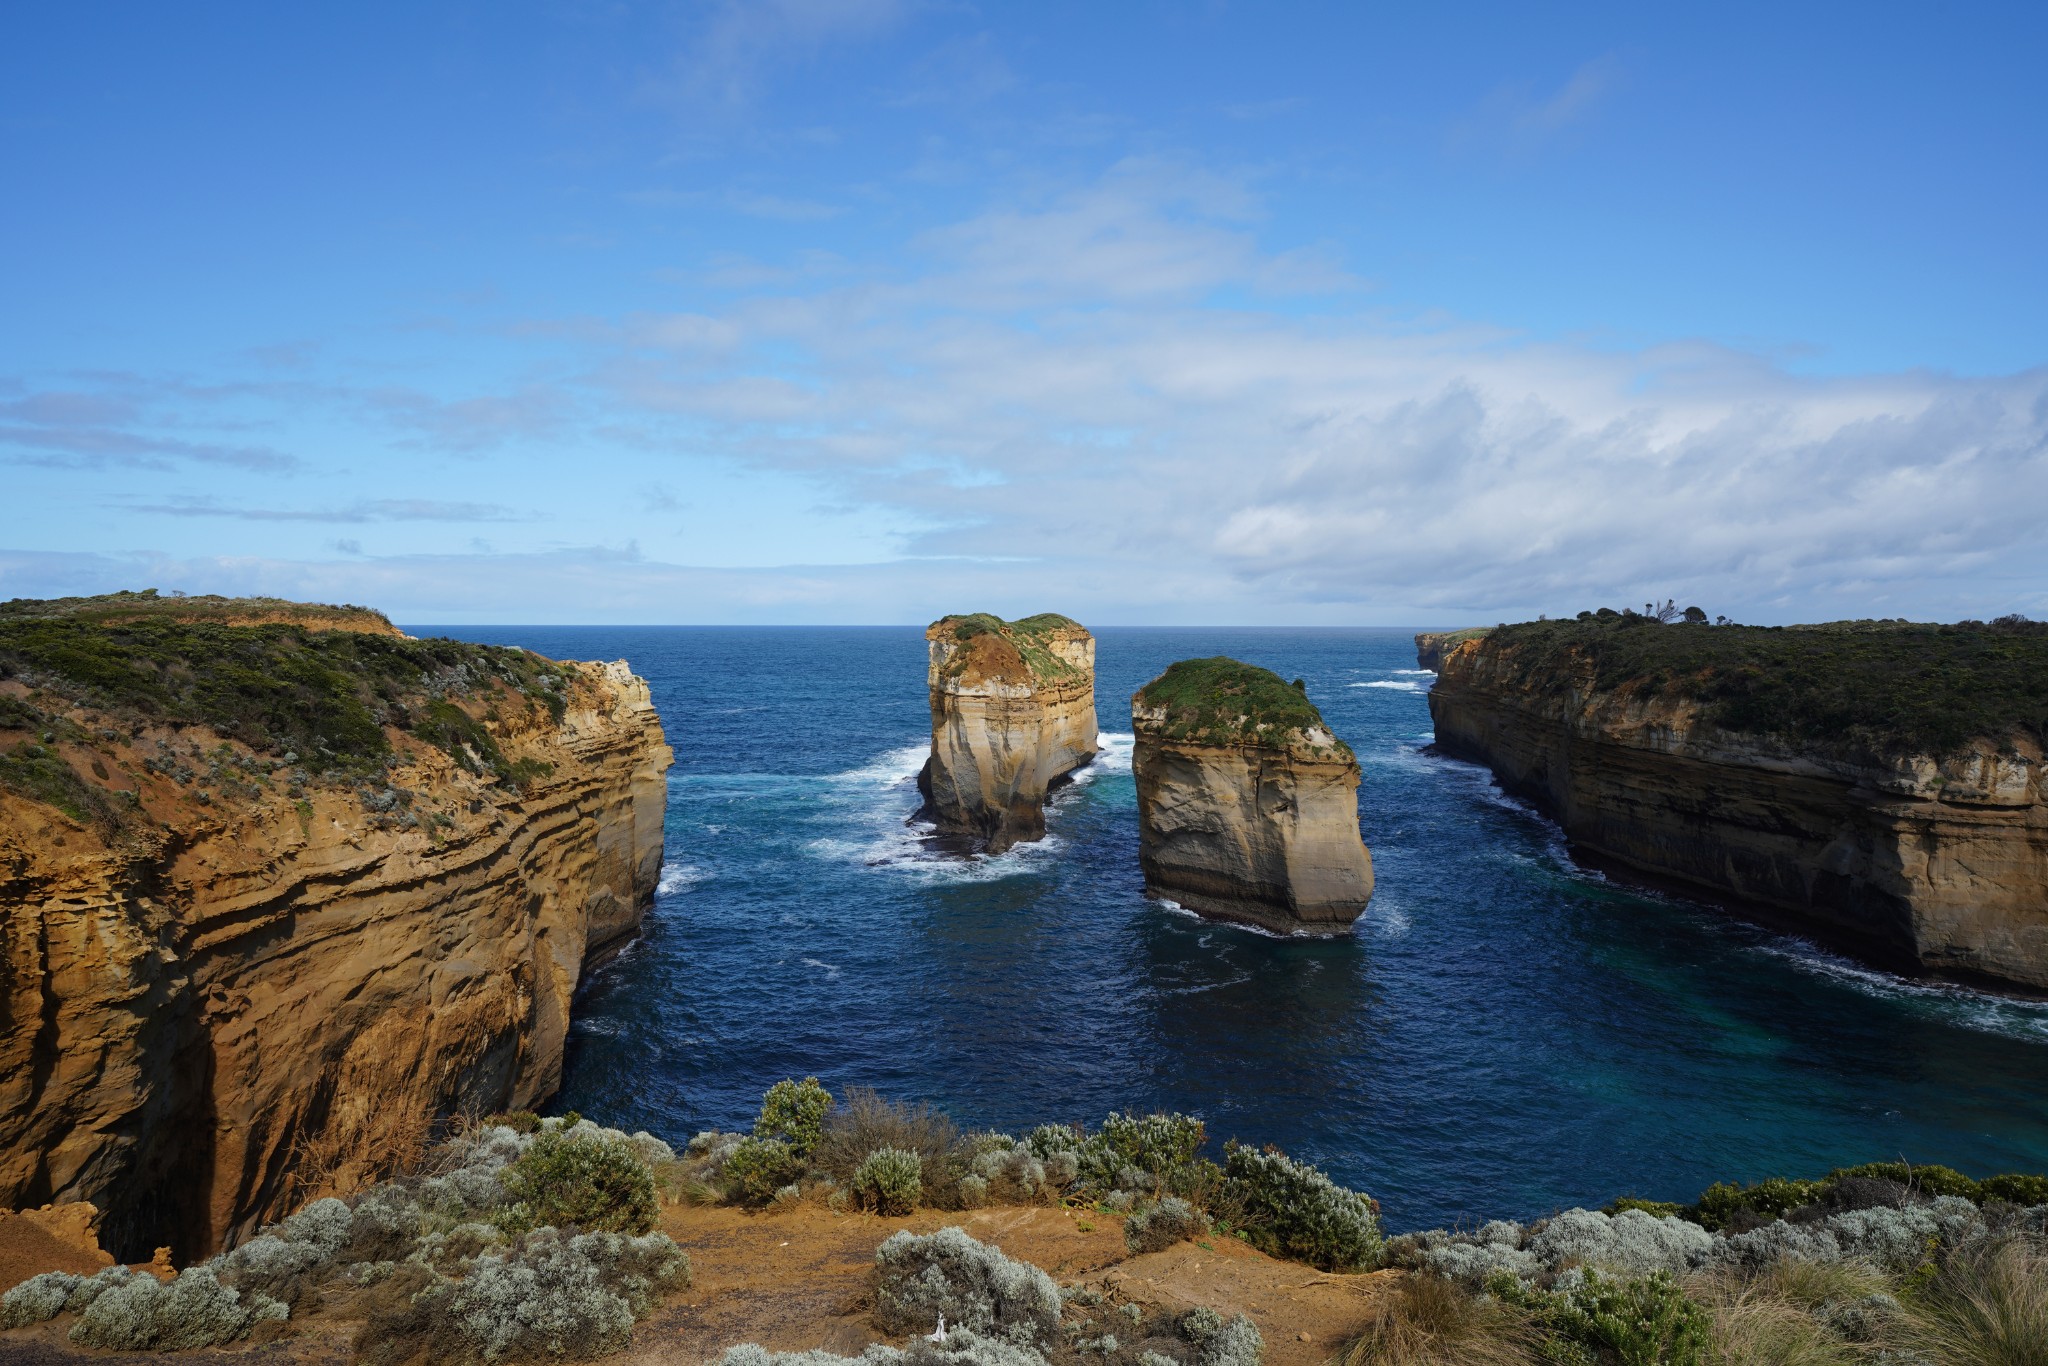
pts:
[1013, 713]
[1922, 858]
[1247, 804]
[236, 974]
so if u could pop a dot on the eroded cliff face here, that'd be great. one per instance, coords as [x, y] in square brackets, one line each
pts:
[1013, 712]
[260, 977]
[1935, 865]
[1432, 646]
[1256, 824]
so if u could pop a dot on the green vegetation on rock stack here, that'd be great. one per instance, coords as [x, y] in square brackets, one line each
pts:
[1847, 687]
[325, 691]
[1027, 635]
[1223, 701]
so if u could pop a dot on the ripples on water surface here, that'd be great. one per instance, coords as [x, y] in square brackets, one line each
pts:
[1502, 1034]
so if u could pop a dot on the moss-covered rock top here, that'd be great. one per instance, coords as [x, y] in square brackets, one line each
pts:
[1224, 701]
[1846, 687]
[330, 697]
[984, 645]
[149, 605]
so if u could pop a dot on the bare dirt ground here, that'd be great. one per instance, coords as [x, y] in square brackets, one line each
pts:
[801, 1278]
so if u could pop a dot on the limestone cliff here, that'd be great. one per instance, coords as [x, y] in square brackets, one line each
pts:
[1013, 712]
[1861, 781]
[1247, 804]
[1432, 646]
[277, 894]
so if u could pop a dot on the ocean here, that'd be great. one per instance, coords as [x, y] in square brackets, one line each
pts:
[1503, 1034]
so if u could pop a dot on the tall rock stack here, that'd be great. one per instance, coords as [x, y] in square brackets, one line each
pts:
[1247, 804]
[1013, 712]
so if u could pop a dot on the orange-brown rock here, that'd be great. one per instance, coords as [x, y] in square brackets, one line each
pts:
[218, 1001]
[1922, 862]
[1013, 712]
[1432, 646]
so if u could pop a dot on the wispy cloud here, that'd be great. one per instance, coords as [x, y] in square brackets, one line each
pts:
[113, 427]
[1519, 119]
[364, 510]
[743, 43]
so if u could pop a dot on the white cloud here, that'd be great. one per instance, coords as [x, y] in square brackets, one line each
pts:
[1083, 399]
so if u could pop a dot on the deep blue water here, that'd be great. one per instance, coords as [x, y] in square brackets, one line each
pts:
[1503, 1034]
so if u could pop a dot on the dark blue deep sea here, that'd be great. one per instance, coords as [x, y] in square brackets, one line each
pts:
[1503, 1034]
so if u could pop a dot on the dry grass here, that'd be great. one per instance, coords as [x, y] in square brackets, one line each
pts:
[863, 1122]
[1762, 1322]
[1430, 1321]
[1989, 1308]
[365, 1140]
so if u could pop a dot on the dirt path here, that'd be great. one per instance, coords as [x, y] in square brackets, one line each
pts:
[801, 1278]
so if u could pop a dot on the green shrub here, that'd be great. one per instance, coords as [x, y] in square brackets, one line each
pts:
[795, 1113]
[1290, 1209]
[1647, 1321]
[1770, 1199]
[1172, 1220]
[595, 1184]
[889, 1181]
[1661, 1209]
[1155, 1143]
[757, 1168]
[2015, 1188]
[195, 1310]
[1932, 1180]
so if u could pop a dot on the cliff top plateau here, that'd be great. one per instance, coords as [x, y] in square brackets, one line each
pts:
[148, 605]
[1223, 701]
[317, 685]
[1849, 688]
[985, 648]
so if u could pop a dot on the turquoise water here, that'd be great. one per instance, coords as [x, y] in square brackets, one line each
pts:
[1503, 1034]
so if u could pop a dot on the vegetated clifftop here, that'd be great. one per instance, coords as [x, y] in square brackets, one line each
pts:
[1432, 646]
[1247, 804]
[1880, 783]
[275, 896]
[1013, 712]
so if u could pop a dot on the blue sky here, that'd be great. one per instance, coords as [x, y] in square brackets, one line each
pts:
[868, 310]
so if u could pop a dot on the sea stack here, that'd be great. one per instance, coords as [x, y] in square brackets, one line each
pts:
[1247, 804]
[1013, 712]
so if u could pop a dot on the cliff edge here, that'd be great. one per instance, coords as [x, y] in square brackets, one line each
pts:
[281, 887]
[1247, 804]
[1432, 646]
[1877, 783]
[1013, 712]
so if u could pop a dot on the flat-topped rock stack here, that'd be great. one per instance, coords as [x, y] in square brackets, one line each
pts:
[1247, 804]
[1013, 712]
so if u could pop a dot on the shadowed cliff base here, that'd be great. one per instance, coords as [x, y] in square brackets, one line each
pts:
[279, 900]
[1878, 785]
[1247, 804]
[1012, 715]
